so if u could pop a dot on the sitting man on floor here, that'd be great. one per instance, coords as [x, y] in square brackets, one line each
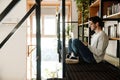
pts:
[93, 53]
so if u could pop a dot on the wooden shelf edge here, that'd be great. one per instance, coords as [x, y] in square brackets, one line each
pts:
[95, 4]
[116, 15]
[83, 36]
[84, 23]
[114, 38]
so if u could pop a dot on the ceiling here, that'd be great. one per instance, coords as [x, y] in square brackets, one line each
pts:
[49, 2]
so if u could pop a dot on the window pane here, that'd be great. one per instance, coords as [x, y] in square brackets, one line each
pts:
[34, 25]
[49, 25]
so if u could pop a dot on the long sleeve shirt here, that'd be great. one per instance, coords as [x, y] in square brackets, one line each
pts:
[99, 43]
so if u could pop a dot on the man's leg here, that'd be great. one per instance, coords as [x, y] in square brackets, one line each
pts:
[70, 50]
[70, 58]
[82, 51]
[71, 53]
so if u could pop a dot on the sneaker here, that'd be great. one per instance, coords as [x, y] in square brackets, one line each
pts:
[74, 58]
[68, 55]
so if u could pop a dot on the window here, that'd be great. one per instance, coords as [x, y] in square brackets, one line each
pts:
[49, 25]
[34, 25]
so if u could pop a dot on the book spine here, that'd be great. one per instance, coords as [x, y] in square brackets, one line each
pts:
[109, 31]
[118, 30]
[118, 7]
[113, 8]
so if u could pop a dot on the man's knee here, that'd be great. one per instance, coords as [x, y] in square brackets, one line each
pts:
[76, 41]
[70, 41]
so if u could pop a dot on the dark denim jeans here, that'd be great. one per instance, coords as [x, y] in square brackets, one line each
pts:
[79, 49]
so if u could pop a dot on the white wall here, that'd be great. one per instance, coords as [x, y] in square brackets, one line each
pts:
[13, 53]
[74, 18]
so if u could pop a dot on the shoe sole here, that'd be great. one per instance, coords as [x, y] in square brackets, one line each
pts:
[72, 61]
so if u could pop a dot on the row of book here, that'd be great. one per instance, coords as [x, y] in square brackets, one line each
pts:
[113, 31]
[114, 8]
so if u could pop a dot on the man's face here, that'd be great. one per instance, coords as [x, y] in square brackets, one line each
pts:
[92, 26]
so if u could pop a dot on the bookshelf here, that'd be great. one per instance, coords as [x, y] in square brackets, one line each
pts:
[86, 32]
[116, 15]
[109, 11]
[94, 8]
[114, 38]
[100, 8]
[95, 4]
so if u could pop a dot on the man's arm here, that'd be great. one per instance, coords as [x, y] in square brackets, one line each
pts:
[101, 46]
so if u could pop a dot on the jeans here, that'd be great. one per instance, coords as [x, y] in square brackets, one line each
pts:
[79, 49]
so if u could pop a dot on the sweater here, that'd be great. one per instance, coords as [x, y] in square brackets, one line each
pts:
[99, 43]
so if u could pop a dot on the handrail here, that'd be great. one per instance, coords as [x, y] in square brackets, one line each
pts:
[30, 51]
[8, 8]
[17, 26]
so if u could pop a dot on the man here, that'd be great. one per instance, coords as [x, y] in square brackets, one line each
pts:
[93, 53]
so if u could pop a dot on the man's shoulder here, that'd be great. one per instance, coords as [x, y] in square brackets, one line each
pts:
[103, 33]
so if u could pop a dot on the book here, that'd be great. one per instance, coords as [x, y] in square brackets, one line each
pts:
[109, 31]
[112, 31]
[109, 10]
[114, 8]
[118, 31]
[118, 7]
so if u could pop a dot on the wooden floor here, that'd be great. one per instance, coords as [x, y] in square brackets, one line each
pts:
[101, 71]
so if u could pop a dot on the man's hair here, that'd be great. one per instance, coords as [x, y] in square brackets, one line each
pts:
[96, 19]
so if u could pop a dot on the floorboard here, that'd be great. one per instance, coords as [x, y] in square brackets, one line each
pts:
[84, 71]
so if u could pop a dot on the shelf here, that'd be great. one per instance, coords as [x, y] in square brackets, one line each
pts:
[84, 36]
[114, 38]
[84, 23]
[95, 4]
[117, 15]
[94, 8]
